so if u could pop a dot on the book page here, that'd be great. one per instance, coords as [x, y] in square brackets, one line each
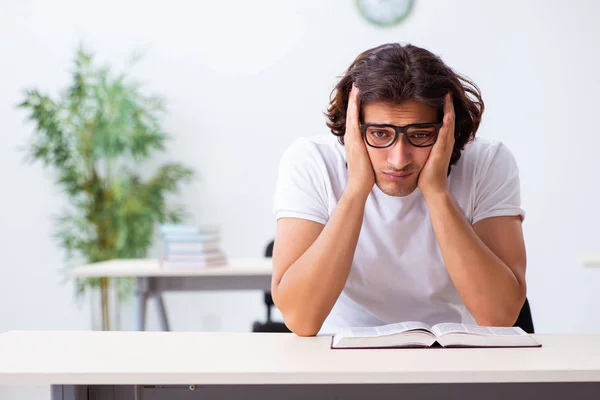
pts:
[448, 327]
[358, 332]
[383, 330]
[451, 327]
[402, 327]
[507, 331]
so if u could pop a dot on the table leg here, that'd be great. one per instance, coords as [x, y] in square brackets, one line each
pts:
[69, 392]
[142, 293]
[162, 312]
[97, 392]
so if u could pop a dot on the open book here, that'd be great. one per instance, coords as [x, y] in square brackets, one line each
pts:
[419, 334]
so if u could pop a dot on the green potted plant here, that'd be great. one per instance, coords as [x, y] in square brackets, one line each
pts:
[94, 137]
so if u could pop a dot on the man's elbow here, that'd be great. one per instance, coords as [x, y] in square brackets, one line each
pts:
[302, 328]
[502, 316]
[496, 320]
[297, 321]
[300, 323]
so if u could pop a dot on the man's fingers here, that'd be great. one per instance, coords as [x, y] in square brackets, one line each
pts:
[448, 121]
[448, 108]
[352, 113]
[353, 106]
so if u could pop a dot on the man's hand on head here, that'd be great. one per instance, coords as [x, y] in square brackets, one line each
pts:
[433, 178]
[361, 176]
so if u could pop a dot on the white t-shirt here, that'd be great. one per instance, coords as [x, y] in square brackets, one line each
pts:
[398, 272]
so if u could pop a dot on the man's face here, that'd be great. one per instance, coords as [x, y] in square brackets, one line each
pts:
[397, 167]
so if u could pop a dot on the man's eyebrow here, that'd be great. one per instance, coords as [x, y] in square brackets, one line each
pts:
[389, 123]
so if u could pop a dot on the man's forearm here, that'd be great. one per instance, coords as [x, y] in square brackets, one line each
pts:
[487, 286]
[311, 286]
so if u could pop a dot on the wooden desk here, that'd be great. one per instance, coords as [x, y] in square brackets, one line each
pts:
[152, 279]
[189, 365]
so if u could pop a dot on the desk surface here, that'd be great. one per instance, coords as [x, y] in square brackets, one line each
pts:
[152, 268]
[44, 357]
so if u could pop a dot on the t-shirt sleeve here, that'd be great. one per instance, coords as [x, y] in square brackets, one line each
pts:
[300, 190]
[498, 191]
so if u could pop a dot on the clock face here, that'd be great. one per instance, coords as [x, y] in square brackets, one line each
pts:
[384, 12]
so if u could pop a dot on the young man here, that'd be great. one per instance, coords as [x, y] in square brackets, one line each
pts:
[401, 214]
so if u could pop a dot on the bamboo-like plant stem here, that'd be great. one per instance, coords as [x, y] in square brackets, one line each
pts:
[104, 286]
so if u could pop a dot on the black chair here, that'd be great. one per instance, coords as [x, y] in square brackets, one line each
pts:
[269, 325]
[524, 321]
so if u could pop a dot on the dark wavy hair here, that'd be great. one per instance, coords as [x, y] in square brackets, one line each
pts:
[395, 73]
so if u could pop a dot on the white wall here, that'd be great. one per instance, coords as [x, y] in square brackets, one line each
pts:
[243, 79]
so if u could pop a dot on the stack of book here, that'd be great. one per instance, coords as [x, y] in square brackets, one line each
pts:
[191, 246]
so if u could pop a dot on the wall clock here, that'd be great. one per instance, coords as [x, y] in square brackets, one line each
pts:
[384, 12]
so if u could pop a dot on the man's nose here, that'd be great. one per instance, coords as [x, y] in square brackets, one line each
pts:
[400, 153]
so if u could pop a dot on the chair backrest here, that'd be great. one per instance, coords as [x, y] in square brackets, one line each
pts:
[269, 325]
[268, 297]
[269, 249]
[525, 321]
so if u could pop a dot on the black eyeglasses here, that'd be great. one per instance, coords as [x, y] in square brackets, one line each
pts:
[381, 136]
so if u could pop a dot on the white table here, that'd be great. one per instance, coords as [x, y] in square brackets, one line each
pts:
[190, 365]
[152, 279]
[591, 261]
